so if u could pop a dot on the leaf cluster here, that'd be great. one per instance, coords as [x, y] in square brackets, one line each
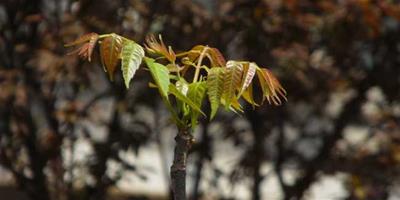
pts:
[189, 77]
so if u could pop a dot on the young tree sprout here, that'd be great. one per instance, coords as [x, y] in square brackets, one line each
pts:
[190, 77]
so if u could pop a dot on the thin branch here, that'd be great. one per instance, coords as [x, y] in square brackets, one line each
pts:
[198, 66]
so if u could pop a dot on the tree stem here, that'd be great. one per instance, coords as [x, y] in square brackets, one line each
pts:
[184, 142]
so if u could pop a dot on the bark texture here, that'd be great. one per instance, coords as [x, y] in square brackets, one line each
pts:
[184, 142]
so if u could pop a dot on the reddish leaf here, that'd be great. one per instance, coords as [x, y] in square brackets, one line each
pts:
[272, 89]
[85, 50]
[217, 58]
[195, 52]
[82, 39]
[158, 47]
[110, 50]
[214, 55]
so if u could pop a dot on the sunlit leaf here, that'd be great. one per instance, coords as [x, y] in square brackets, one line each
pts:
[131, 56]
[232, 80]
[215, 87]
[160, 75]
[182, 86]
[249, 70]
[110, 50]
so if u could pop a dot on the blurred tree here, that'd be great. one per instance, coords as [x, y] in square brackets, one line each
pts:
[338, 61]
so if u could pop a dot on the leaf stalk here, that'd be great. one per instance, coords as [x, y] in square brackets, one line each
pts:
[198, 66]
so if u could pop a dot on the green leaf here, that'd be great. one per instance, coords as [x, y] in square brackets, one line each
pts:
[215, 86]
[183, 87]
[160, 75]
[197, 93]
[132, 55]
[232, 80]
[181, 97]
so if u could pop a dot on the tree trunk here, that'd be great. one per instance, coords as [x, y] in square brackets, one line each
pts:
[184, 142]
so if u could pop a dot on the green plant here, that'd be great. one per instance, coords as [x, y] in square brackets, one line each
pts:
[184, 81]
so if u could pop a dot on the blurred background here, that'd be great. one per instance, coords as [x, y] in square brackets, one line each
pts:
[66, 132]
